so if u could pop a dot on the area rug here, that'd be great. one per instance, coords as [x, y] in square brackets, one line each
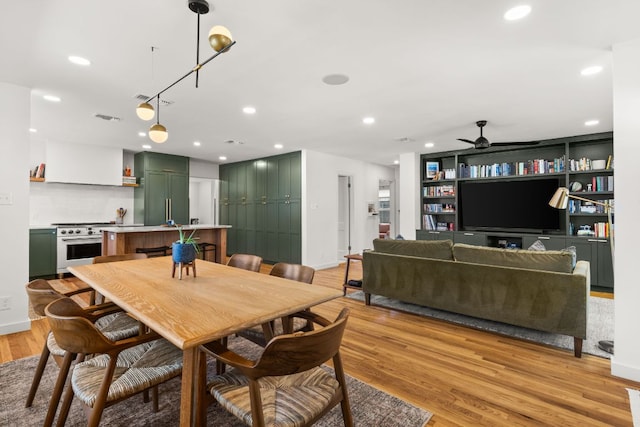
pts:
[599, 323]
[369, 406]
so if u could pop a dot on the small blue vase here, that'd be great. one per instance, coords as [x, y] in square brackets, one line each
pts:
[183, 252]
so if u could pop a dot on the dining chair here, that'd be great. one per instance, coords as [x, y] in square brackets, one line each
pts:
[245, 261]
[261, 334]
[118, 369]
[285, 385]
[109, 318]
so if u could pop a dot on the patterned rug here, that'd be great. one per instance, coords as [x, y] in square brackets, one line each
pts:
[599, 323]
[369, 406]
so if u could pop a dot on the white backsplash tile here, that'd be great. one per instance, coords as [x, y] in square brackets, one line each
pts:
[55, 203]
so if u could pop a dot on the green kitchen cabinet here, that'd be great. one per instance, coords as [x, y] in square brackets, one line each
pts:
[163, 191]
[261, 200]
[42, 252]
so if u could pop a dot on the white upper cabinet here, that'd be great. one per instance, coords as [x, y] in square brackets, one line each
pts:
[83, 164]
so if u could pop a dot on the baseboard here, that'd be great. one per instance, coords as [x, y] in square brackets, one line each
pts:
[625, 371]
[325, 266]
[11, 328]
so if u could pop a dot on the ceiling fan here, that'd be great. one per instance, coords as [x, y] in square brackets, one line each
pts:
[483, 142]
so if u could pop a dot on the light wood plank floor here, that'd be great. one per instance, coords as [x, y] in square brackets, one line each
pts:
[464, 376]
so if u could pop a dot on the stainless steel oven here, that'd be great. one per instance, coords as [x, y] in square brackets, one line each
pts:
[78, 244]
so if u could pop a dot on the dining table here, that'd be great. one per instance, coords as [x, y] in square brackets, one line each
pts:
[219, 302]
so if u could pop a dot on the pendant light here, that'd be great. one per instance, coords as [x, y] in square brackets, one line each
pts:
[220, 40]
[145, 111]
[157, 132]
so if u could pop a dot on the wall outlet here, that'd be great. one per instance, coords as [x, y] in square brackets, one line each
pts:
[6, 199]
[5, 303]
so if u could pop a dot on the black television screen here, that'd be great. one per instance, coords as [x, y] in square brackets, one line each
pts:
[518, 205]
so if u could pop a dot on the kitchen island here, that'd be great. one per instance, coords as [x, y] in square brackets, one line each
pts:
[122, 239]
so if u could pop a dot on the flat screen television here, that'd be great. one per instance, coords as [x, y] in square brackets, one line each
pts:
[515, 205]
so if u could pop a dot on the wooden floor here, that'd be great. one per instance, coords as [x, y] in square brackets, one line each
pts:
[464, 376]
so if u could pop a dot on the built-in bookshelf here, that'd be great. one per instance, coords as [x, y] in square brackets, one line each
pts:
[584, 164]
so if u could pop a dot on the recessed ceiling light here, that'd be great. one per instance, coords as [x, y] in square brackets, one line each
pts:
[591, 122]
[368, 120]
[335, 79]
[517, 12]
[278, 146]
[33, 130]
[78, 60]
[396, 162]
[223, 158]
[52, 98]
[429, 144]
[249, 110]
[142, 134]
[589, 71]
[196, 143]
[146, 147]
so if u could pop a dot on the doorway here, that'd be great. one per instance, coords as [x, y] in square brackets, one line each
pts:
[345, 206]
[386, 210]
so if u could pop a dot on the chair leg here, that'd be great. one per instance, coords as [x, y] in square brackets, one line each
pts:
[154, 394]
[37, 376]
[101, 399]
[68, 397]
[63, 378]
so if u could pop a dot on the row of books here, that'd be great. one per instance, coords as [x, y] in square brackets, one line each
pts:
[439, 207]
[529, 167]
[128, 179]
[438, 191]
[602, 183]
[429, 223]
[587, 164]
[578, 206]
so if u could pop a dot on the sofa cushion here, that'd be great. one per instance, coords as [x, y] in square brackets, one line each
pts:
[556, 261]
[435, 249]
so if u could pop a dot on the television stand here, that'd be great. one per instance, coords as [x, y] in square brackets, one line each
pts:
[508, 242]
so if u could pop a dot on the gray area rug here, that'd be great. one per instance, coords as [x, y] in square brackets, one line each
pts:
[369, 406]
[599, 323]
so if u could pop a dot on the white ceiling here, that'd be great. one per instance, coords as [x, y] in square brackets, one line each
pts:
[425, 69]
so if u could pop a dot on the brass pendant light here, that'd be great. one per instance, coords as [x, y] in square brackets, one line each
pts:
[220, 40]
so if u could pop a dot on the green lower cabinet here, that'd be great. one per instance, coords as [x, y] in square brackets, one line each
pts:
[42, 253]
[434, 235]
[470, 238]
[551, 243]
[598, 253]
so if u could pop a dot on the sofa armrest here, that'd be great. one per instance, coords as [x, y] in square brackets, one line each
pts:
[583, 268]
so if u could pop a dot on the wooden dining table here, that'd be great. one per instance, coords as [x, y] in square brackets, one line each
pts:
[217, 303]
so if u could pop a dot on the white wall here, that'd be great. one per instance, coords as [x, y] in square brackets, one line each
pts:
[14, 217]
[52, 203]
[409, 195]
[626, 132]
[320, 205]
[203, 169]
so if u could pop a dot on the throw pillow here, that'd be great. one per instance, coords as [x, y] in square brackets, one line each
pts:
[574, 255]
[537, 246]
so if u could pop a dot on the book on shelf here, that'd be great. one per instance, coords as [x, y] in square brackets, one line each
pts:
[128, 179]
[38, 171]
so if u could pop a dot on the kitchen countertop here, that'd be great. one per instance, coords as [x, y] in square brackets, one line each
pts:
[152, 228]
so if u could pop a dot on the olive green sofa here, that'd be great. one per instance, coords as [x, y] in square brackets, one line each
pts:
[534, 289]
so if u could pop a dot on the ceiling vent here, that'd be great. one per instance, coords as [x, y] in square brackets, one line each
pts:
[404, 139]
[144, 98]
[107, 117]
[233, 142]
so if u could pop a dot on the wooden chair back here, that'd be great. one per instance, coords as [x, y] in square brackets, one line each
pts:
[245, 261]
[73, 331]
[299, 352]
[298, 272]
[41, 294]
[114, 258]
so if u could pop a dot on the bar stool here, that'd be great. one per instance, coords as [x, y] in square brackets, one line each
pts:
[154, 252]
[205, 247]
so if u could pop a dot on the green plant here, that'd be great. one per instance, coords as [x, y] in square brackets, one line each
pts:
[189, 240]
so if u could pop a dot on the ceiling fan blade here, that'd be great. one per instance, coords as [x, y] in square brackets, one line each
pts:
[466, 140]
[505, 144]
